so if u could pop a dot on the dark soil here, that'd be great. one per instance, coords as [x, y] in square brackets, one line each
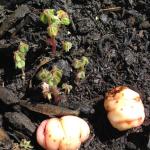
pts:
[113, 34]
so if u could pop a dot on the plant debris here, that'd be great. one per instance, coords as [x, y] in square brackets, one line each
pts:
[48, 109]
[19, 13]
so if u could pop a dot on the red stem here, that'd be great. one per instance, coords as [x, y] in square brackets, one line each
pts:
[52, 42]
[56, 94]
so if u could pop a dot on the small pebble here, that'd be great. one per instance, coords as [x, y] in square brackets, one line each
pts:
[131, 145]
[104, 18]
[96, 18]
[64, 65]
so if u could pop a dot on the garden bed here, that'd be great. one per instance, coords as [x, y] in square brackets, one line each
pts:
[113, 35]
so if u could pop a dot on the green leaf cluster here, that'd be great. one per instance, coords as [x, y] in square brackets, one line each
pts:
[25, 145]
[52, 78]
[67, 46]
[48, 17]
[66, 87]
[80, 66]
[20, 54]
[54, 21]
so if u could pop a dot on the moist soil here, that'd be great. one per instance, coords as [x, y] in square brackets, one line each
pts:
[114, 35]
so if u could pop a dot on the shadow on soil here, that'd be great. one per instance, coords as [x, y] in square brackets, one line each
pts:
[138, 139]
[7, 63]
[101, 125]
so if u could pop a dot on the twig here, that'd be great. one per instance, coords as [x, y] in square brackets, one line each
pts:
[111, 9]
[49, 109]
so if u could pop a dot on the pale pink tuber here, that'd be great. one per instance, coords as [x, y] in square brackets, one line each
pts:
[124, 108]
[65, 133]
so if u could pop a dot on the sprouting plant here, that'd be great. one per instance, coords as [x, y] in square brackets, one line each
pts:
[80, 66]
[63, 16]
[25, 145]
[57, 75]
[50, 80]
[44, 75]
[80, 75]
[45, 16]
[52, 77]
[67, 88]
[46, 91]
[48, 17]
[66, 46]
[54, 21]
[19, 57]
[53, 30]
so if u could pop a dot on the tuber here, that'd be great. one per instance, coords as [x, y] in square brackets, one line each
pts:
[124, 107]
[65, 133]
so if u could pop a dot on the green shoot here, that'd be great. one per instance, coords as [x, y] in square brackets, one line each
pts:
[46, 16]
[80, 66]
[66, 46]
[25, 145]
[53, 30]
[56, 74]
[50, 80]
[66, 87]
[54, 23]
[19, 57]
[81, 75]
[43, 75]
[63, 17]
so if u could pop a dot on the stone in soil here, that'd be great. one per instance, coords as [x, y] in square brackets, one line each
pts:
[64, 65]
[21, 122]
[7, 97]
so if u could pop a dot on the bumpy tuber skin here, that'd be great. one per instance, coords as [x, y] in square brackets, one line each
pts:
[66, 133]
[124, 107]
